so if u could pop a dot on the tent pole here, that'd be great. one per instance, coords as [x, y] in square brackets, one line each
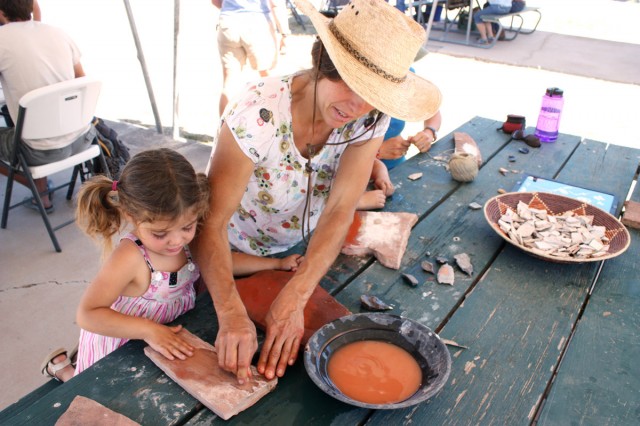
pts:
[143, 64]
[176, 92]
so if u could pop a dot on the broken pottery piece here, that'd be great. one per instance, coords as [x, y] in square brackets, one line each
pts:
[415, 176]
[475, 206]
[441, 260]
[373, 303]
[201, 376]
[464, 143]
[503, 171]
[85, 411]
[258, 291]
[427, 266]
[464, 263]
[523, 150]
[446, 274]
[413, 281]
[383, 234]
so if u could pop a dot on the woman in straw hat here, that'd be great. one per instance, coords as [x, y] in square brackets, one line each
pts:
[294, 155]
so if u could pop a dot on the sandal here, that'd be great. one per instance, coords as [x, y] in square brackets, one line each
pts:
[49, 369]
[31, 203]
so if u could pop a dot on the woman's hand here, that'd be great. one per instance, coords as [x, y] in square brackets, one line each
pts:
[236, 343]
[285, 328]
[165, 340]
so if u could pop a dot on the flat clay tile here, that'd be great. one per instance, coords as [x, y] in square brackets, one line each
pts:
[383, 234]
[84, 411]
[259, 290]
[201, 376]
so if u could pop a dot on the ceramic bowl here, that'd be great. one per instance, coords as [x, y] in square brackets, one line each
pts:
[423, 344]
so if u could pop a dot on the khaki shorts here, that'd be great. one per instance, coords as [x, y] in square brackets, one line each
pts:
[246, 37]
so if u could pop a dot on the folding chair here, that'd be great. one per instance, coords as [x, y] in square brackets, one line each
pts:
[49, 112]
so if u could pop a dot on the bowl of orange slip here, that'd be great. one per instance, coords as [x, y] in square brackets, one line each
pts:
[556, 228]
[377, 360]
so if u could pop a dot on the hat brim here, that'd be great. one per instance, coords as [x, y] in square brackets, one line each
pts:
[414, 99]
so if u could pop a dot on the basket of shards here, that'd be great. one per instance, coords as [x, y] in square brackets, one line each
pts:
[556, 228]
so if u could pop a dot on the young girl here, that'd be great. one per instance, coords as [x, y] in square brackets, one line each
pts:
[148, 279]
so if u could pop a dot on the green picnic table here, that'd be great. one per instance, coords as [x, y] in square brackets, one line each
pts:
[543, 342]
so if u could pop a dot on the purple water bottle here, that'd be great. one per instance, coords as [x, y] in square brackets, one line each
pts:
[549, 118]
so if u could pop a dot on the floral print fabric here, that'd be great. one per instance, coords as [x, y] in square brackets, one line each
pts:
[269, 218]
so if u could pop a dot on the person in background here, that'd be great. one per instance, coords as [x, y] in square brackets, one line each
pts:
[148, 279]
[292, 158]
[248, 32]
[34, 55]
[495, 7]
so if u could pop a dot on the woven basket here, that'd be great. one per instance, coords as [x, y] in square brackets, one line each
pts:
[556, 205]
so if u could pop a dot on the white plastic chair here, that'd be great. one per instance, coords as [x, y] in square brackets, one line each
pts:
[49, 112]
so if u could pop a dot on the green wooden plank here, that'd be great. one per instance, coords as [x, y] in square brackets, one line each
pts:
[515, 324]
[598, 382]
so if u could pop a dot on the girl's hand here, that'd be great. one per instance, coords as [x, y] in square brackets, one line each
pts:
[165, 340]
[290, 263]
[384, 184]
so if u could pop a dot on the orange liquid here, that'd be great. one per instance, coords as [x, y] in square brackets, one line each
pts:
[374, 372]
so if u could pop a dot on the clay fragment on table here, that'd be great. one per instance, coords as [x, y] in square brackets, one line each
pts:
[465, 143]
[373, 303]
[446, 274]
[383, 234]
[259, 290]
[413, 281]
[203, 379]
[464, 263]
[427, 266]
[475, 206]
[84, 411]
[415, 176]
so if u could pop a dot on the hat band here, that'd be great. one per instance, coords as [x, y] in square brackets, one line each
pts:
[361, 58]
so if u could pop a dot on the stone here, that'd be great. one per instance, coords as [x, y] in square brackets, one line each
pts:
[214, 387]
[84, 411]
[631, 216]
[258, 291]
[382, 234]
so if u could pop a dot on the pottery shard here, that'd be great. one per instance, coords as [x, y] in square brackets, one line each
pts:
[85, 411]
[464, 263]
[383, 234]
[446, 274]
[201, 376]
[259, 290]
[465, 143]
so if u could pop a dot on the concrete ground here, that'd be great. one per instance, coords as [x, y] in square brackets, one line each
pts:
[589, 48]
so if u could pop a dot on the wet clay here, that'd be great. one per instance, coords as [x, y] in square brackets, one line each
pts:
[374, 372]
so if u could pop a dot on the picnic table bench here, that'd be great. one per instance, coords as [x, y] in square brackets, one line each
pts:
[544, 343]
[515, 25]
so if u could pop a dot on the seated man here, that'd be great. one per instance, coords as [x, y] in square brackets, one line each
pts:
[34, 55]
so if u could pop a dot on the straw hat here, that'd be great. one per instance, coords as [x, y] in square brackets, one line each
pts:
[372, 45]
